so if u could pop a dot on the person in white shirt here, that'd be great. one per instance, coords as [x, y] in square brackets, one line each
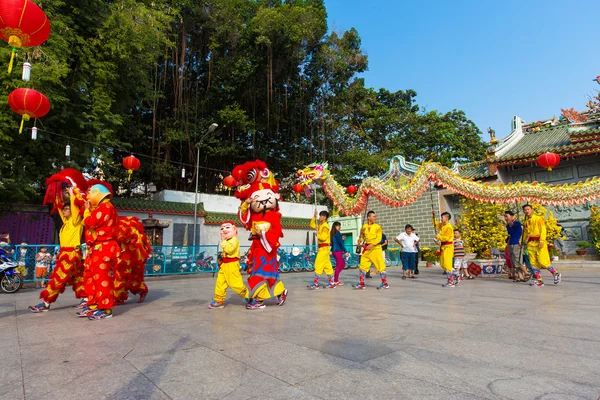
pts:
[408, 240]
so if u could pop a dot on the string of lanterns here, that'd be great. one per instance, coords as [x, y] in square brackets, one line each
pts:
[24, 24]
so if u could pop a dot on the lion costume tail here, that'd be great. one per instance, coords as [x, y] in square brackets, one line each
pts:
[135, 250]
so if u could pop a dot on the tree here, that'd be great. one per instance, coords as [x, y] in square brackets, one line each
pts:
[481, 226]
[150, 77]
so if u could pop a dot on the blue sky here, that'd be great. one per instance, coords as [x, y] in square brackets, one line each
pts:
[492, 59]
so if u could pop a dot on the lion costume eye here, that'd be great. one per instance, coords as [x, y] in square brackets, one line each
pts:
[251, 175]
[265, 173]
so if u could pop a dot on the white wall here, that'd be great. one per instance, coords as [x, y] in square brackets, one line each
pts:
[209, 234]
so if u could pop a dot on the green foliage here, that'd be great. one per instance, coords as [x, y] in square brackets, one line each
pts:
[151, 76]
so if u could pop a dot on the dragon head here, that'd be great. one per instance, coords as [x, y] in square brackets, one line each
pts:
[314, 172]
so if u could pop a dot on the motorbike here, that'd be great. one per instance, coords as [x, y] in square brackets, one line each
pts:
[10, 280]
[205, 264]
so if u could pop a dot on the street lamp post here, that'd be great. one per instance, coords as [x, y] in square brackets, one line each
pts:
[211, 129]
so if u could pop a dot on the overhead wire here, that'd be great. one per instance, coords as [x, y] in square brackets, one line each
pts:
[113, 148]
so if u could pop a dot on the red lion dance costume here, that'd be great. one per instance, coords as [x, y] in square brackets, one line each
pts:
[134, 246]
[131, 255]
[69, 263]
[259, 212]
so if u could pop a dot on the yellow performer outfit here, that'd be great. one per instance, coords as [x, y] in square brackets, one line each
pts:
[229, 275]
[322, 261]
[370, 235]
[534, 235]
[69, 262]
[446, 238]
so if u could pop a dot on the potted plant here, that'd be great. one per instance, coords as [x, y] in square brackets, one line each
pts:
[429, 255]
[581, 247]
[554, 252]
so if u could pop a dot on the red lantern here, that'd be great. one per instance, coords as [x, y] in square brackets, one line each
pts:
[298, 189]
[548, 160]
[22, 23]
[351, 189]
[229, 181]
[29, 104]
[131, 163]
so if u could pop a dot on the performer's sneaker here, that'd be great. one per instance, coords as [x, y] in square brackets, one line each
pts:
[358, 286]
[339, 284]
[383, 286]
[82, 304]
[215, 304]
[255, 305]
[557, 279]
[331, 286]
[537, 283]
[282, 297]
[100, 314]
[142, 297]
[449, 284]
[313, 287]
[86, 312]
[39, 308]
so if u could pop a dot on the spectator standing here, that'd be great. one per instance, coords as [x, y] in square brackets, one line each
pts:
[460, 264]
[515, 231]
[43, 260]
[339, 250]
[408, 240]
[24, 258]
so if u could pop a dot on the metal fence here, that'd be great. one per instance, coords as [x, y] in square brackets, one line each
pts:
[179, 260]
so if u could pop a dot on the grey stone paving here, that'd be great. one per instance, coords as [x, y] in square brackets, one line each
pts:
[486, 339]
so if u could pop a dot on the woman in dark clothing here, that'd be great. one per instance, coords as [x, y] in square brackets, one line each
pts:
[339, 250]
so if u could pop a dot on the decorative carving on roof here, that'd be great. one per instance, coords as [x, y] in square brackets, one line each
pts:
[574, 116]
[593, 109]
[492, 133]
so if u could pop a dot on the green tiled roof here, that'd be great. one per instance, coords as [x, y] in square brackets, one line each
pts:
[476, 170]
[584, 132]
[214, 218]
[554, 139]
[164, 207]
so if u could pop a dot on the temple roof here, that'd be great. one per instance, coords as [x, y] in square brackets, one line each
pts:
[163, 207]
[565, 139]
[210, 218]
[214, 218]
[475, 170]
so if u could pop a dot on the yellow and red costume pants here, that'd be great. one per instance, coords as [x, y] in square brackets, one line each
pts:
[229, 276]
[323, 262]
[447, 253]
[101, 264]
[264, 280]
[68, 271]
[538, 257]
[129, 276]
[372, 256]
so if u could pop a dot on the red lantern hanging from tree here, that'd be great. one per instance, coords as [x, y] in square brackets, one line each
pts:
[351, 190]
[298, 189]
[131, 163]
[29, 104]
[22, 23]
[548, 160]
[229, 182]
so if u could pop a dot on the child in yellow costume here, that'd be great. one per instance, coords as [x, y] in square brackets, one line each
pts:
[229, 269]
[370, 239]
[446, 241]
[69, 264]
[534, 238]
[322, 261]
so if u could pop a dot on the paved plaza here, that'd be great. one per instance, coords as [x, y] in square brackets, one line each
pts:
[486, 339]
